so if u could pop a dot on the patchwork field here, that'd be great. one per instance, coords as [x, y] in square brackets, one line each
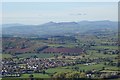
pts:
[83, 55]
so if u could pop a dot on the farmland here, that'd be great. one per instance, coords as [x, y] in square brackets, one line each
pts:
[91, 56]
[60, 40]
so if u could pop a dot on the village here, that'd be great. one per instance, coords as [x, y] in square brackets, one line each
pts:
[15, 68]
[23, 57]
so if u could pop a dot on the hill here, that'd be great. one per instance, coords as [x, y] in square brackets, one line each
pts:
[53, 28]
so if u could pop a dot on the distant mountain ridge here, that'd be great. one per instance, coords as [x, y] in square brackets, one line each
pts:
[61, 28]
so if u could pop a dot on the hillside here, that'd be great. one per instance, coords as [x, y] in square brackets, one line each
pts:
[53, 28]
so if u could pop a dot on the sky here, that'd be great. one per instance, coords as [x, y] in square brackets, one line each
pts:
[60, 0]
[43, 12]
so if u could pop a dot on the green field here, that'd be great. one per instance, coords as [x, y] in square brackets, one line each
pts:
[95, 66]
[39, 55]
[70, 45]
[6, 56]
[106, 47]
[28, 55]
[35, 75]
[58, 69]
[95, 54]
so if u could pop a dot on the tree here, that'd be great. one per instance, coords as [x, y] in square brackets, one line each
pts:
[73, 75]
[56, 56]
[59, 75]
[43, 72]
[82, 75]
[103, 68]
[31, 77]
[63, 56]
[105, 52]
[76, 68]
[70, 75]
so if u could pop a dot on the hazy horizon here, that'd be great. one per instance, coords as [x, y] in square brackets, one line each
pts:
[57, 22]
[43, 12]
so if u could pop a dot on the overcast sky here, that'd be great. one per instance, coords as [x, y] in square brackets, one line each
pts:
[42, 12]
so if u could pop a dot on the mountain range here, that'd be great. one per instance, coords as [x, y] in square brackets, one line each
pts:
[60, 28]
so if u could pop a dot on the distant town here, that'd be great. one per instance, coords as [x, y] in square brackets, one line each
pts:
[92, 55]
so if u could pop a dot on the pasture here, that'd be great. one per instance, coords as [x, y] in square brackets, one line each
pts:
[35, 75]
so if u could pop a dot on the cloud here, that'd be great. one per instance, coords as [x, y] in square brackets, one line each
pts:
[78, 14]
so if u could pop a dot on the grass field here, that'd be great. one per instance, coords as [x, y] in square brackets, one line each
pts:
[58, 69]
[35, 75]
[87, 67]
[95, 54]
[91, 67]
[39, 55]
[70, 45]
[28, 55]
[106, 47]
[6, 56]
